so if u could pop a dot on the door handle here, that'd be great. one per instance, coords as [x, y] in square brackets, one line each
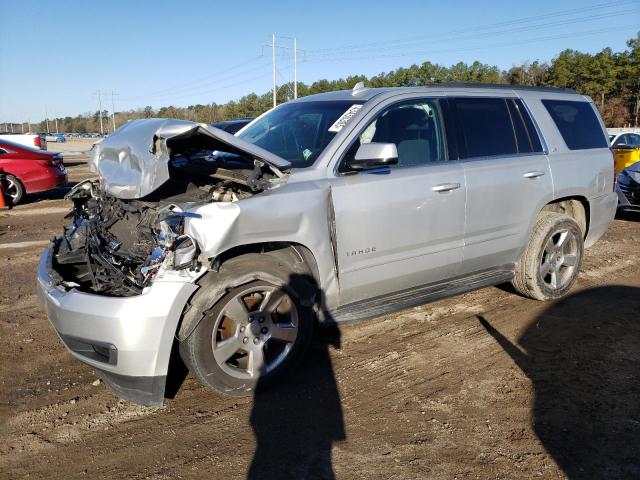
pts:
[445, 187]
[534, 174]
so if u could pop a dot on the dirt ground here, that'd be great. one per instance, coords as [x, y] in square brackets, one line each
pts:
[484, 385]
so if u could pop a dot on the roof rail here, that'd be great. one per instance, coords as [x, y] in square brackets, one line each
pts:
[502, 86]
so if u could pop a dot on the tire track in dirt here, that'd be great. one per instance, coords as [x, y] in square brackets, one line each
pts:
[424, 392]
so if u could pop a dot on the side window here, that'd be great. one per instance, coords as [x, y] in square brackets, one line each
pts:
[2, 151]
[485, 126]
[414, 127]
[577, 123]
[634, 140]
[622, 140]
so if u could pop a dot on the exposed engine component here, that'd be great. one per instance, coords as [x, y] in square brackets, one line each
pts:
[117, 246]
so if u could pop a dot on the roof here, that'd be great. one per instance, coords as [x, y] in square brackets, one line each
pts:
[366, 94]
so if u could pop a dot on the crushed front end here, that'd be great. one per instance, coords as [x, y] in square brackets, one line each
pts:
[116, 247]
[116, 282]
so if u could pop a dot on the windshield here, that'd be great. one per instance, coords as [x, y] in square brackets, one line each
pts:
[298, 131]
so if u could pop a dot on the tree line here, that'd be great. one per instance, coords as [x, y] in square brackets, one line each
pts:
[612, 79]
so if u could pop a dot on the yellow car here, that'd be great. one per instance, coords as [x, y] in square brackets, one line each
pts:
[626, 148]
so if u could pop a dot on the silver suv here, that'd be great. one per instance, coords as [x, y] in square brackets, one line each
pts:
[335, 207]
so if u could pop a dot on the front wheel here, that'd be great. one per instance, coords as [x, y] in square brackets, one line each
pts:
[550, 264]
[249, 338]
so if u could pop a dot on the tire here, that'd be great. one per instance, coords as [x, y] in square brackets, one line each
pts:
[550, 264]
[234, 350]
[13, 189]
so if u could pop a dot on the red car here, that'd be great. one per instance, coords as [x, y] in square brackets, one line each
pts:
[28, 170]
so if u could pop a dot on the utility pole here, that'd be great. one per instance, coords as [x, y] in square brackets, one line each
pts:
[295, 51]
[11, 124]
[100, 112]
[57, 125]
[46, 113]
[273, 66]
[22, 127]
[295, 68]
[113, 111]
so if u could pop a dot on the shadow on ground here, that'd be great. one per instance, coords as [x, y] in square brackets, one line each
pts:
[296, 422]
[583, 357]
[629, 216]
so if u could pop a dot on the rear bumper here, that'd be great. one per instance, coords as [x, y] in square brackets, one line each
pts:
[602, 212]
[127, 339]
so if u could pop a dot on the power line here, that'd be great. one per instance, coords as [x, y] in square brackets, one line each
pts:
[471, 36]
[194, 90]
[193, 83]
[217, 88]
[467, 48]
[477, 28]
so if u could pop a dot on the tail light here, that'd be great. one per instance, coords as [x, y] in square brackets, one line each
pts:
[37, 141]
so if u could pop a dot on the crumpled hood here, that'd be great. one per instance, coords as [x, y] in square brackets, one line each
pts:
[134, 160]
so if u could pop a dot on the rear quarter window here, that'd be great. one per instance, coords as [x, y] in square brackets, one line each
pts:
[577, 123]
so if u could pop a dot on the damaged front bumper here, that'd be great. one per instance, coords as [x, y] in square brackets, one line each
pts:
[127, 339]
[628, 188]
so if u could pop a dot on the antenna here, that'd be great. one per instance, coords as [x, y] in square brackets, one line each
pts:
[358, 88]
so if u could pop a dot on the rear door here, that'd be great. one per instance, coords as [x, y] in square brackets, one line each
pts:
[508, 179]
[400, 227]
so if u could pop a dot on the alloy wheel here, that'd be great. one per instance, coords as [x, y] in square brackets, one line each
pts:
[11, 189]
[254, 331]
[559, 259]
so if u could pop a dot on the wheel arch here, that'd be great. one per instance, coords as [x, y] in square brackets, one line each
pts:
[577, 207]
[284, 251]
[299, 259]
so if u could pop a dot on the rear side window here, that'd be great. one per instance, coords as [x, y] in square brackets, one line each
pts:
[485, 125]
[577, 123]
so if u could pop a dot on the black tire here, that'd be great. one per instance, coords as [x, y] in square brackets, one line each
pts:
[235, 376]
[550, 264]
[13, 189]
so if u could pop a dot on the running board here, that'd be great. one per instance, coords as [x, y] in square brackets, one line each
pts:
[393, 302]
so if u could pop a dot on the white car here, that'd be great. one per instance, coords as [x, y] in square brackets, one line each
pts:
[630, 139]
[34, 140]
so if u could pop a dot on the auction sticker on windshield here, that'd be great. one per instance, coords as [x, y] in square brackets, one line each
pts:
[344, 118]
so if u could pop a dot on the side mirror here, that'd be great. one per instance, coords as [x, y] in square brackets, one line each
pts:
[374, 155]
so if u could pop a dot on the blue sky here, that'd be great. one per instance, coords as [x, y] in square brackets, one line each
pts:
[54, 56]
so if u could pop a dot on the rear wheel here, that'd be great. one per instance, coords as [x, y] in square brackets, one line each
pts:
[550, 264]
[13, 189]
[252, 336]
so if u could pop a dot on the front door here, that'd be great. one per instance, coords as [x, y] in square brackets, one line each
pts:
[402, 227]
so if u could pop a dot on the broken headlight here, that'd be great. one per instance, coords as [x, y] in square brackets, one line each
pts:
[185, 252]
[173, 243]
